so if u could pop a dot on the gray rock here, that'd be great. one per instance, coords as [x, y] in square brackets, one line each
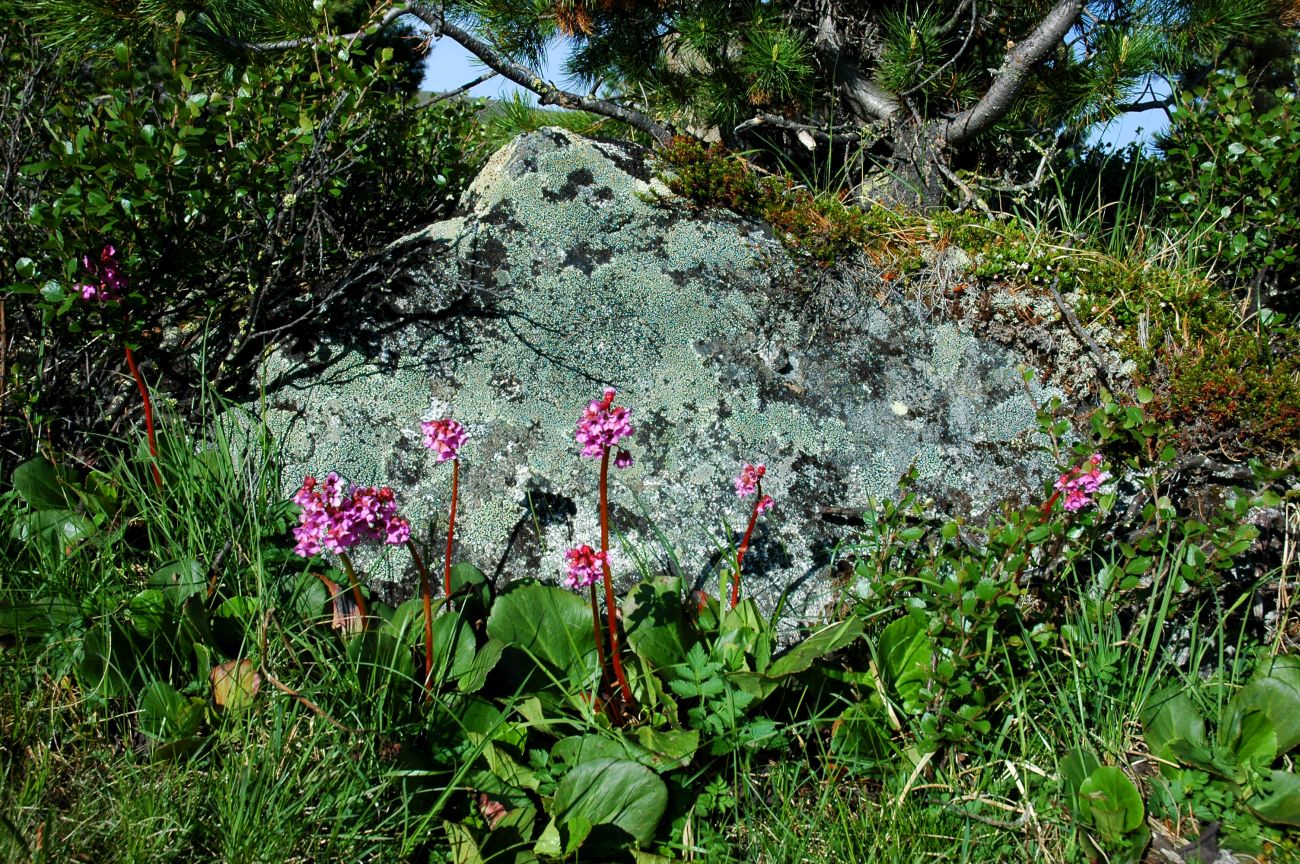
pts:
[567, 270]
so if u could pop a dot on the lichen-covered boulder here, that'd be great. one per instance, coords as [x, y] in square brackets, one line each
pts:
[570, 269]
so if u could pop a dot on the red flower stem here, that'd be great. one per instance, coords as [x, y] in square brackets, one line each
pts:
[1047, 505]
[600, 642]
[356, 588]
[611, 608]
[451, 530]
[148, 414]
[426, 593]
[744, 544]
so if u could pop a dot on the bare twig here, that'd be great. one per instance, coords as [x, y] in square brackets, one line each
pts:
[464, 88]
[1102, 369]
[307, 703]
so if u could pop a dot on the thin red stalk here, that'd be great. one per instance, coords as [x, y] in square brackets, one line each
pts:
[356, 588]
[451, 530]
[148, 413]
[426, 593]
[611, 608]
[744, 544]
[600, 642]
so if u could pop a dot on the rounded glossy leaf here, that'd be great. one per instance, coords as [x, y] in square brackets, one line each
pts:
[612, 792]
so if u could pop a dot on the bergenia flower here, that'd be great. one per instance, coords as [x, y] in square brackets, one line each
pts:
[444, 436]
[602, 426]
[582, 566]
[623, 459]
[747, 482]
[335, 520]
[765, 503]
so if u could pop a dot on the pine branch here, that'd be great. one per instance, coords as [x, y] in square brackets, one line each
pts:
[547, 93]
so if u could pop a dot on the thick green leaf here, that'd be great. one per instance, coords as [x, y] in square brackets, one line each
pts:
[744, 639]
[1275, 692]
[904, 655]
[59, 529]
[453, 646]
[148, 612]
[655, 622]
[577, 749]
[830, 638]
[107, 661]
[1076, 767]
[43, 485]
[463, 848]
[31, 619]
[1256, 741]
[1111, 803]
[180, 579]
[166, 715]
[1168, 718]
[485, 660]
[550, 624]
[862, 733]
[1281, 803]
[510, 838]
[612, 792]
[672, 748]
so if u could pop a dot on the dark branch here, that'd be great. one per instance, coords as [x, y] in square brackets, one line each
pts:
[547, 94]
[1010, 80]
[844, 136]
[1133, 107]
[462, 89]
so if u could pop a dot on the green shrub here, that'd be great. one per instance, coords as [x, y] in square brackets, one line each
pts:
[236, 196]
[1231, 180]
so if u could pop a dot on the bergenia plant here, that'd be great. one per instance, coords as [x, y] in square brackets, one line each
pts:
[444, 437]
[335, 518]
[107, 285]
[749, 483]
[1078, 485]
[582, 569]
[602, 425]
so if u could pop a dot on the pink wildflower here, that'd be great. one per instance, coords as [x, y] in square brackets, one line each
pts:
[623, 459]
[747, 482]
[765, 503]
[108, 282]
[583, 566]
[1080, 485]
[445, 436]
[602, 426]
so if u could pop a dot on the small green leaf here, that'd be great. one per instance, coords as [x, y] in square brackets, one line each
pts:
[235, 684]
[1111, 802]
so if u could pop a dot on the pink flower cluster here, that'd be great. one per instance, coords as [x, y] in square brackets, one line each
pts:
[602, 426]
[107, 283]
[583, 566]
[336, 520]
[444, 436]
[1079, 485]
[751, 476]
